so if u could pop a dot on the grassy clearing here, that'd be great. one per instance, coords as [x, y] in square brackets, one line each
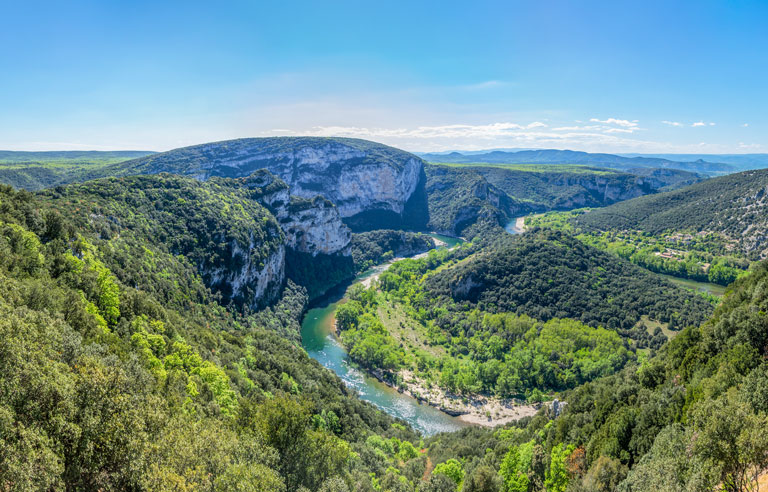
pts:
[407, 331]
[651, 325]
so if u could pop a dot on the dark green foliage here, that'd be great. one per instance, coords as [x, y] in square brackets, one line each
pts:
[112, 385]
[215, 226]
[460, 198]
[732, 206]
[38, 170]
[548, 274]
[376, 247]
[318, 273]
[557, 158]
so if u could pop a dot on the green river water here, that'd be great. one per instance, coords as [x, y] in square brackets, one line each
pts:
[320, 343]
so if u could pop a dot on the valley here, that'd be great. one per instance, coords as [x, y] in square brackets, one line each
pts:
[424, 322]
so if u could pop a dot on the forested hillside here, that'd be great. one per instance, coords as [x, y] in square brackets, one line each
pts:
[522, 317]
[733, 207]
[548, 275]
[38, 170]
[122, 370]
[691, 418]
[460, 196]
[612, 161]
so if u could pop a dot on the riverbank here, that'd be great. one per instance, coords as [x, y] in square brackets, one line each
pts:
[318, 339]
[487, 411]
[515, 226]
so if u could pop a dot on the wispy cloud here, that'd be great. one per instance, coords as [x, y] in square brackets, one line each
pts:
[483, 136]
[702, 123]
[745, 125]
[672, 123]
[616, 121]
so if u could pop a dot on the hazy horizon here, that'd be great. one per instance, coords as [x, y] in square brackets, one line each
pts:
[656, 77]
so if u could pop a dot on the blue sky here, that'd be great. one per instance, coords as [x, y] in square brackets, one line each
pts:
[614, 76]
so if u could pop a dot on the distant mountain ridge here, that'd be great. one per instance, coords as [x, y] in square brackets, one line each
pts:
[48, 155]
[553, 156]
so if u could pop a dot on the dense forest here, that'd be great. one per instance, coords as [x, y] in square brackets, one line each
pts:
[520, 317]
[126, 372]
[39, 170]
[550, 274]
[382, 245]
[150, 341]
[703, 256]
[732, 207]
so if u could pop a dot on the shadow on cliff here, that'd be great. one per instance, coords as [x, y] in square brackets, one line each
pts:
[415, 215]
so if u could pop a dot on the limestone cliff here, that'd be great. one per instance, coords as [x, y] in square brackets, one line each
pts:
[310, 226]
[356, 175]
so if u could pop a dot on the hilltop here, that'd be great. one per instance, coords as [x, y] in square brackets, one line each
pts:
[553, 156]
[733, 207]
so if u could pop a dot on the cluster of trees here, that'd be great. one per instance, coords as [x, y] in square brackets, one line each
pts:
[503, 354]
[112, 379]
[693, 417]
[376, 247]
[461, 202]
[733, 206]
[214, 225]
[550, 274]
[122, 368]
[700, 258]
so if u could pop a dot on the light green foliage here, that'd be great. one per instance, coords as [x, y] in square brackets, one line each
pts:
[515, 466]
[452, 469]
[406, 451]
[557, 475]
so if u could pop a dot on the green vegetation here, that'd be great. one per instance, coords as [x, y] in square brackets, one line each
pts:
[465, 197]
[379, 246]
[701, 256]
[38, 170]
[416, 318]
[216, 226]
[133, 359]
[461, 202]
[690, 418]
[731, 210]
[536, 168]
[550, 274]
[123, 371]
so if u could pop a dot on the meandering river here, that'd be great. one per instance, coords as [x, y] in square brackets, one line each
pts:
[319, 341]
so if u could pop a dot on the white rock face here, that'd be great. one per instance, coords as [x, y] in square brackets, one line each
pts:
[335, 172]
[318, 229]
[256, 283]
[355, 175]
[310, 226]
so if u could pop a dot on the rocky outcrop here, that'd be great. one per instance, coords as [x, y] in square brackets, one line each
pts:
[356, 175]
[252, 283]
[310, 226]
[314, 226]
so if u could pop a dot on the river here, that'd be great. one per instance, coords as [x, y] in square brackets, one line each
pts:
[713, 289]
[516, 225]
[318, 340]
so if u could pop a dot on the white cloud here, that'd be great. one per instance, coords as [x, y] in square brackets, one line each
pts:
[672, 123]
[617, 122]
[745, 125]
[484, 136]
[750, 147]
[701, 123]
